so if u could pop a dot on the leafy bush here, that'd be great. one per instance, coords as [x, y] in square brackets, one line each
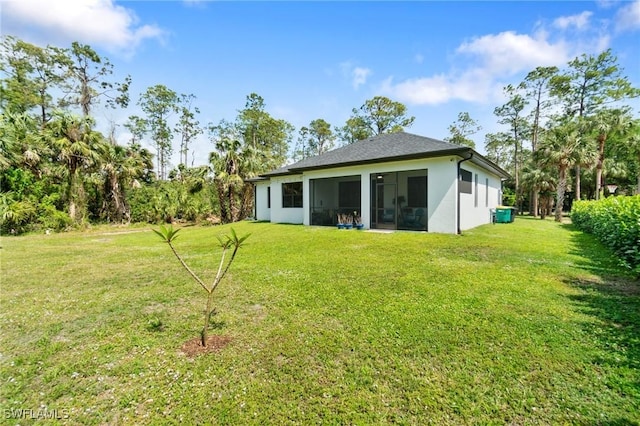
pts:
[508, 197]
[15, 216]
[53, 219]
[615, 221]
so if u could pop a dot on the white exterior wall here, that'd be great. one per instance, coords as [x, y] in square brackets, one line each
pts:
[288, 214]
[470, 214]
[442, 193]
[441, 188]
[263, 212]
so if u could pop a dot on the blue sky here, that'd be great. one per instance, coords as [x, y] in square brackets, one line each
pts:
[312, 60]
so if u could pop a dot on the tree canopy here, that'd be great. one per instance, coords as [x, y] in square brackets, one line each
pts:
[57, 170]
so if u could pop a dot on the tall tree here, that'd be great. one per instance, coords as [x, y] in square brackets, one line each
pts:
[226, 161]
[461, 129]
[77, 147]
[561, 149]
[537, 92]
[88, 75]
[354, 130]
[121, 168]
[188, 126]
[268, 136]
[316, 139]
[590, 83]
[376, 116]
[605, 123]
[32, 74]
[159, 103]
[511, 114]
[499, 148]
[138, 128]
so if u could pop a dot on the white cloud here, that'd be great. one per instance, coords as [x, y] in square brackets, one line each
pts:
[579, 22]
[628, 17]
[471, 86]
[360, 76]
[356, 75]
[488, 60]
[508, 53]
[95, 22]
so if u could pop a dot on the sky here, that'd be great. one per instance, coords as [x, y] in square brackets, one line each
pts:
[311, 60]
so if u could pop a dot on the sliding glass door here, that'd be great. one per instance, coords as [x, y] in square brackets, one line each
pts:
[399, 200]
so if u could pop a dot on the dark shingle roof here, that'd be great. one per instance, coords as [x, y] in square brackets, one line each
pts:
[381, 148]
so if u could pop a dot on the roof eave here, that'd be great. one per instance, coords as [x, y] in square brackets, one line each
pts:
[416, 156]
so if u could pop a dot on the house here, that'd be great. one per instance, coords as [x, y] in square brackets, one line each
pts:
[392, 181]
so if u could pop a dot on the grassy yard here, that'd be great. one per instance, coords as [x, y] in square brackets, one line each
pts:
[523, 323]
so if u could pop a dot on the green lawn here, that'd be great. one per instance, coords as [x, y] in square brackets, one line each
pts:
[522, 323]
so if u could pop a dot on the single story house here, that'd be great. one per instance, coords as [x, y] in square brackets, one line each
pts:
[390, 181]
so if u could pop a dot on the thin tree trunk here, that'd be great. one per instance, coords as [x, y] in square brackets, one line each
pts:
[600, 165]
[577, 189]
[207, 315]
[222, 200]
[562, 185]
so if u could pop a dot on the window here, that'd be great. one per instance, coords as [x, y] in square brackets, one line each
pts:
[349, 194]
[417, 191]
[268, 197]
[292, 194]
[486, 192]
[464, 184]
[475, 198]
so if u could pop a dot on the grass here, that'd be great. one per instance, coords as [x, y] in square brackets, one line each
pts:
[522, 323]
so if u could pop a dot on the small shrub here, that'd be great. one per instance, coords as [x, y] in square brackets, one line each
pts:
[155, 323]
[53, 219]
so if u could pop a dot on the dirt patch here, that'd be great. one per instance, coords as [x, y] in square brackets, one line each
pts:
[193, 347]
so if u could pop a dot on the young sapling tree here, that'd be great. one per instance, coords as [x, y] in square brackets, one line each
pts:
[226, 242]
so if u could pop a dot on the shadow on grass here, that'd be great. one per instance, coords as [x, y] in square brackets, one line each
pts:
[614, 299]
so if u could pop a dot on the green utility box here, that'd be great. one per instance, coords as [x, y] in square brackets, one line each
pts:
[505, 214]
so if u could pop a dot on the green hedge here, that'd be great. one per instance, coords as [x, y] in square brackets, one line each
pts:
[616, 222]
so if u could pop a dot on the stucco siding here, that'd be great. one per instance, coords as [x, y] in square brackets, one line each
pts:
[442, 193]
[281, 214]
[263, 212]
[475, 208]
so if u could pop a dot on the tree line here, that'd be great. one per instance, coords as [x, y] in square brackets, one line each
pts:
[58, 171]
[568, 134]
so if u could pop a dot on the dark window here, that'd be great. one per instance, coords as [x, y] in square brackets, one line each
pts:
[464, 185]
[349, 194]
[268, 197]
[292, 194]
[475, 200]
[417, 191]
[486, 194]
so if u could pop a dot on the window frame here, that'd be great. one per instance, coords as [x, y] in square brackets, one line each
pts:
[292, 195]
[464, 182]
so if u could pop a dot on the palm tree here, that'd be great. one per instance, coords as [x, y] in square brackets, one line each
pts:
[541, 182]
[21, 144]
[121, 168]
[607, 122]
[562, 149]
[633, 146]
[226, 165]
[77, 147]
